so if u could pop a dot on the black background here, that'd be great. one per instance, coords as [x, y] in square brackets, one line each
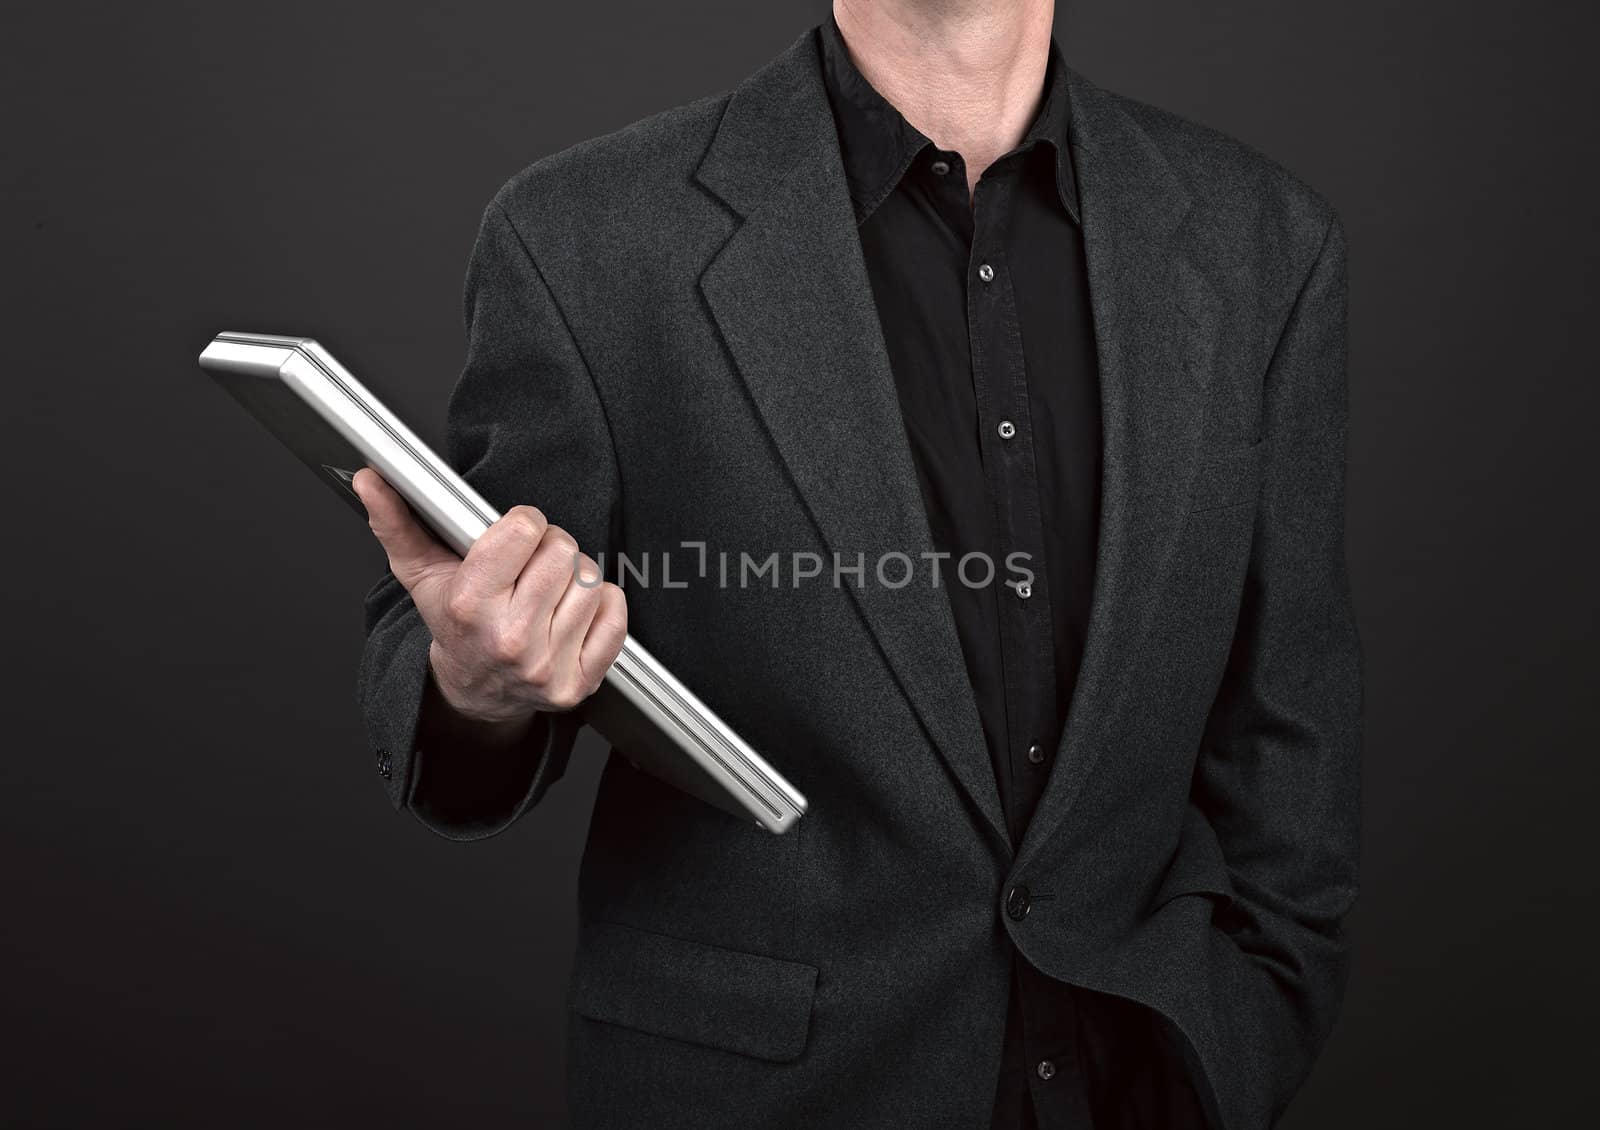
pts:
[211, 915]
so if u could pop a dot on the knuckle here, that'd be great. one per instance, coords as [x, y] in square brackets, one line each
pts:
[524, 523]
[546, 583]
[461, 607]
[506, 645]
[558, 539]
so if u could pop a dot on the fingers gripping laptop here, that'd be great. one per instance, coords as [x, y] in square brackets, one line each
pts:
[336, 426]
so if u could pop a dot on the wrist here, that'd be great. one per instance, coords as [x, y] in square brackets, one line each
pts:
[445, 719]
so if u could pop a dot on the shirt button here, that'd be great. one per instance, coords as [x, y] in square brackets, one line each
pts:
[1035, 754]
[1024, 589]
[1017, 903]
[940, 166]
[1046, 1070]
[1006, 429]
[986, 273]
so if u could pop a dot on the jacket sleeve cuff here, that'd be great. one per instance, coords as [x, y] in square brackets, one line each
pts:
[459, 792]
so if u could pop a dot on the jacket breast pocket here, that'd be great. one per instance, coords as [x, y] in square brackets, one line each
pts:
[739, 1002]
[1227, 477]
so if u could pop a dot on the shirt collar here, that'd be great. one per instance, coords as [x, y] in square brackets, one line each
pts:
[878, 144]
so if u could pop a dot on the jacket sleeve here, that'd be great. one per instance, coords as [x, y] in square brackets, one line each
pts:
[524, 425]
[1279, 772]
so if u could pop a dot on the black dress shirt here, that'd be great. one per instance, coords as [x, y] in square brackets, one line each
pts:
[984, 306]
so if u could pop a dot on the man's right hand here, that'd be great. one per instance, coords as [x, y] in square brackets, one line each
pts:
[522, 624]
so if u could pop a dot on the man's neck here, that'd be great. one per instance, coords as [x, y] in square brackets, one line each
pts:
[968, 73]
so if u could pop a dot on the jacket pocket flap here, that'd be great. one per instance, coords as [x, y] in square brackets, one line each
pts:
[739, 1002]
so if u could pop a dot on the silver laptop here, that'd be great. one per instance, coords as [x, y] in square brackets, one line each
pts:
[336, 427]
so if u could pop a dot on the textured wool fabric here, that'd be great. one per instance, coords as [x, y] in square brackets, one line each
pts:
[672, 338]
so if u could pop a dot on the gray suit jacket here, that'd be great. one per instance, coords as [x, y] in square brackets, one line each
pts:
[672, 339]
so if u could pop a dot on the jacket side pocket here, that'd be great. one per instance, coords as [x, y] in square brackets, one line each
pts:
[723, 998]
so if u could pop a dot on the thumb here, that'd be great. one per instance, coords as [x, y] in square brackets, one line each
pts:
[414, 553]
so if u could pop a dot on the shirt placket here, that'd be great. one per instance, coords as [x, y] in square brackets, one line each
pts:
[1006, 444]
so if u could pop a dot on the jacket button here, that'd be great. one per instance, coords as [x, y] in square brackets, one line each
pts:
[1018, 903]
[385, 764]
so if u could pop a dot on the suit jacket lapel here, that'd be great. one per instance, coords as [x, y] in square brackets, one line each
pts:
[1156, 317]
[791, 298]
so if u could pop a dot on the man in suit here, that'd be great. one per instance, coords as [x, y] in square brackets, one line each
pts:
[1082, 826]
